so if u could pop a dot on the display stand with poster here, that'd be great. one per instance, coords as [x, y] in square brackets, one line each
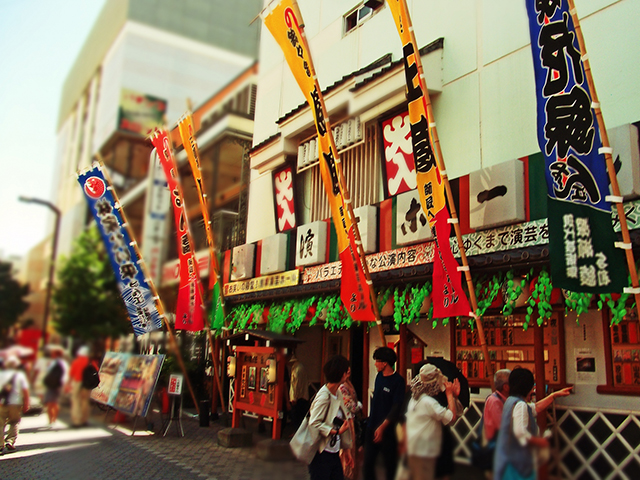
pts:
[175, 393]
[127, 383]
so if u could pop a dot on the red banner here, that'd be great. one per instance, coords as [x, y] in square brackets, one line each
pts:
[447, 302]
[189, 308]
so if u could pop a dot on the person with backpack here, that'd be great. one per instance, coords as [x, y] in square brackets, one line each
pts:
[14, 400]
[54, 379]
[82, 370]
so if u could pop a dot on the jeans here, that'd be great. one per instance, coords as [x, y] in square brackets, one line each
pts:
[326, 466]
[388, 446]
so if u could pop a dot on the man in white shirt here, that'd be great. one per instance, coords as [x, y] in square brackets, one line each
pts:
[13, 401]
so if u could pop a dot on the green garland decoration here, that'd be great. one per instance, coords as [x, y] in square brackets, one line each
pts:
[578, 301]
[487, 294]
[278, 315]
[383, 297]
[514, 290]
[299, 313]
[541, 295]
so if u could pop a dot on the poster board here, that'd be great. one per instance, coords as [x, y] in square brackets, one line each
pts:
[127, 381]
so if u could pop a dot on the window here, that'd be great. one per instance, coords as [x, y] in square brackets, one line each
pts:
[360, 14]
[361, 167]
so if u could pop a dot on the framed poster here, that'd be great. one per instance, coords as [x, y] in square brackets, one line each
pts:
[175, 384]
[264, 379]
[251, 384]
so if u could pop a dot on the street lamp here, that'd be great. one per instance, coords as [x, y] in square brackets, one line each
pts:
[54, 250]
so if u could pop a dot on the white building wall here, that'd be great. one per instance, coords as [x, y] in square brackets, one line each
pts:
[164, 65]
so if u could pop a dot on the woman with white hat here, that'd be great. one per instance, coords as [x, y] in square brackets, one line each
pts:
[425, 417]
[14, 400]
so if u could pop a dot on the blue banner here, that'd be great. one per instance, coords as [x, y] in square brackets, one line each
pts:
[135, 290]
[583, 257]
[568, 132]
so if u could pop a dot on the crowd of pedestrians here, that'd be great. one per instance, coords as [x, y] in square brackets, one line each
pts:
[48, 378]
[406, 430]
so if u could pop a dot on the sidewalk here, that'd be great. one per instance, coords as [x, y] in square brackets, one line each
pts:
[199, 451]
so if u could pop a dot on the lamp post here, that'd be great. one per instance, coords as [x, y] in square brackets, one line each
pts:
[54, 250]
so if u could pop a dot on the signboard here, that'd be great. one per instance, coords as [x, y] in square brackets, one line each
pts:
[268, 282]
[398, 154]
[175, 384]
[137, 384]
[127, 381]
[140, 113]
[285, 205]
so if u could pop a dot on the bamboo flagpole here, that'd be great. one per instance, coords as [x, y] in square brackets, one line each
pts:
[143, 267]
[430, 170]
[187, 134]
[284, 21]
[607, 151]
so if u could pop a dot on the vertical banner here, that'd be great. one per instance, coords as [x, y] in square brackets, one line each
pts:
[185, 126]
[137, 291]
[285, 23]
[156, 210]
[581, 238]
[189, 309]
[449, 298]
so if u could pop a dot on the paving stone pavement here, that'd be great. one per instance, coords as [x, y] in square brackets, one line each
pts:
[105, 451]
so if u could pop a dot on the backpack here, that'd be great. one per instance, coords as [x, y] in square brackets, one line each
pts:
[6, 390]
[53, 379]
[90, 377]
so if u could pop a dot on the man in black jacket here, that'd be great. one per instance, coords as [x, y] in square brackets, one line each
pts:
[386, 408]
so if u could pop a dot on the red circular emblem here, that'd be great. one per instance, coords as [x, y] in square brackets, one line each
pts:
[94, 187]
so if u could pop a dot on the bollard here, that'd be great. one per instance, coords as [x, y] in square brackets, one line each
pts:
[205, 406]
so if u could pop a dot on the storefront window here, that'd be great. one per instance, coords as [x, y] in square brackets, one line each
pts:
[510, 346]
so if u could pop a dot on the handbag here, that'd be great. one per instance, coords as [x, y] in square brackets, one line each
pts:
[304, 443]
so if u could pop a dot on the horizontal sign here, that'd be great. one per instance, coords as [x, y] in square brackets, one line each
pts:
[268, 282]
[510, 237]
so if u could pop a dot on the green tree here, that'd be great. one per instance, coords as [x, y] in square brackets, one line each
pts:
[12, 303]
[87, 302]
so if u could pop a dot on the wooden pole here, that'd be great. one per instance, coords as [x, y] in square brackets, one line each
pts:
[606, 149]
[154, 291]
[214, 359]
[435, 141]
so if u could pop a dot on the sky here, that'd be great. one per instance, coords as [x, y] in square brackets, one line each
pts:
[39, 41]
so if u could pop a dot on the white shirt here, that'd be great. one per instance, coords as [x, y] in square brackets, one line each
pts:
[19, 384]
[520, 422]
[425, 417]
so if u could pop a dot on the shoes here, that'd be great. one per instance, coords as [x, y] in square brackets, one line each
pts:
[10, 448]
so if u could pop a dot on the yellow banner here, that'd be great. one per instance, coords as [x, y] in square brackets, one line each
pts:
[285, 24]
[284, 21]
[430, 183]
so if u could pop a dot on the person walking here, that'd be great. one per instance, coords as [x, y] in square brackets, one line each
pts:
[354, 410]
[386, 408]
[518, 440]
[298, 391]
[329, 416]
[424, 419]
[79, 394]
[55, 378]
[14, 400]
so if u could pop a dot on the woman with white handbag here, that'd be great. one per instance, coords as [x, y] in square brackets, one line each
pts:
[325, 430]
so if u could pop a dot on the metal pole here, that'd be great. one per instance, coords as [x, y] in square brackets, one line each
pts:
[52, 260]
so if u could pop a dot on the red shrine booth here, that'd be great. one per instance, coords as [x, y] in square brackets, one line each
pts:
[256, 365]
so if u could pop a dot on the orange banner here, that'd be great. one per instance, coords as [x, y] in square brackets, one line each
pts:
[187, 134]
[285, 23]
